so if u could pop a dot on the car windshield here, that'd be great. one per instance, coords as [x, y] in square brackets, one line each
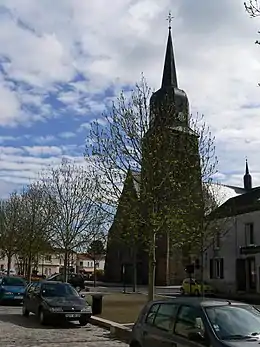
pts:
[58, 290]
[13, 281]
[234, 322]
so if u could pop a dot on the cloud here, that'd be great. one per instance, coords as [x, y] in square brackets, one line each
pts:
[67, 60]
[43, 150]
[67, 135]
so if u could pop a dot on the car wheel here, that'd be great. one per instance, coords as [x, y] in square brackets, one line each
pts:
[196, 292]
[135, 344]
[42, 317]
[83, 321]
[25, 312]
[182, 291]
[78, 289]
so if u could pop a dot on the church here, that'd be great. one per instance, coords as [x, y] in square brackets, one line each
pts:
[169, 182]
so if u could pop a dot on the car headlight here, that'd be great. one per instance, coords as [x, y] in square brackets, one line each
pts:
[55, 309]
[8, 293]
[86, 309]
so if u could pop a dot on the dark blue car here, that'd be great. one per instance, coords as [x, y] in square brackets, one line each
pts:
[12, 289]
[197, 322]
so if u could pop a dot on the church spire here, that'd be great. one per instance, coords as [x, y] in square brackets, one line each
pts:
[169, 78]
[247, 178]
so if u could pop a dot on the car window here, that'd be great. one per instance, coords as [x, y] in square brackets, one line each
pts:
[187, 321]
[234, 321]
[165, 316]
[151, 314]
[36, 288]
[58, 290]
[13, 281]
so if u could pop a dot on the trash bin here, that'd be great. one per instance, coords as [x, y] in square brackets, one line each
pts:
[97, 304]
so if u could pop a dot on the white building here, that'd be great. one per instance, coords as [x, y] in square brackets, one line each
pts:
[232, 262]
[48, 264]
[85, 263]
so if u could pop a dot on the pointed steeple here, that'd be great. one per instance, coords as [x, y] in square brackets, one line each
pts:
[247, 178]
[169, 78]
[169, 105]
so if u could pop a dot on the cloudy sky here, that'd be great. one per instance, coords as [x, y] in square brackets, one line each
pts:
[62, 61]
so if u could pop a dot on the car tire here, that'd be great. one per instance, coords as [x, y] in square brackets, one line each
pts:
[135, 344]
[25, 312]
[83, 321]
[42, 317]
[196, 292]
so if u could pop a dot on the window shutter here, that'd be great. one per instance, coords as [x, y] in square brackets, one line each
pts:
[222, 268]
[211, 268]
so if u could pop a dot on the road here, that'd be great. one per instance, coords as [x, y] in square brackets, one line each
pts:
[16, 330]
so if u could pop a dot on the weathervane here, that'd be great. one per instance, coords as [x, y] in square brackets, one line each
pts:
[169, 19]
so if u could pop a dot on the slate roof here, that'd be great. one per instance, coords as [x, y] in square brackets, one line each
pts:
[247, 202]
[233, 200]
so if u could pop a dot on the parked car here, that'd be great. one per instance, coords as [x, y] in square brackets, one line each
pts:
[191, 286]
[76, 280]
[58, 300]
[196, 322]
[12, 289]
[12, 272]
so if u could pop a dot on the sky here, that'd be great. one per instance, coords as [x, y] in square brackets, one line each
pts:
[61, 62]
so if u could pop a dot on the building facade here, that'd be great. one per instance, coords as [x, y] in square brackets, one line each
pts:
[86, 263]
[47, 264]
[232, 261]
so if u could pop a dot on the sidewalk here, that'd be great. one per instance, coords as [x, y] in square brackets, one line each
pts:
[253, 299]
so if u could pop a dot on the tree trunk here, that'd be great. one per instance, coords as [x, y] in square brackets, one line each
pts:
[134, 270]
[167, 279]
[29, 268]
[95, 272]
[151, 269]
[9, 260]
[65, 268]
[202, 264]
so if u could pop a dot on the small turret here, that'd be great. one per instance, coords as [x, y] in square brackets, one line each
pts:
[247, 178]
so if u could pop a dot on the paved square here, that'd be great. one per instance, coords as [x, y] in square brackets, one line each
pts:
[17, 331]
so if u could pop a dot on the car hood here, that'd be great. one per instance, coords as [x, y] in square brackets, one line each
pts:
[14, 289]
[242, 343]
[68, 301]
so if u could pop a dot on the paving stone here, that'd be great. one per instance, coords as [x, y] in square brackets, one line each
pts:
[17, 330]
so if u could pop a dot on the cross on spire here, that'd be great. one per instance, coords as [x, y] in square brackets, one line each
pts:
[169, 19]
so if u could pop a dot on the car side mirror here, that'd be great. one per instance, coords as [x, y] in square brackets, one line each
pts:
[82, 295]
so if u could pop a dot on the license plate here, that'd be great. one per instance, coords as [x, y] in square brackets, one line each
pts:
[72, 315]
[18, 297]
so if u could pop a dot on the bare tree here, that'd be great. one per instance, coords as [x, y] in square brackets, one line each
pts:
[35, 219]
[73, 192]
[252, 7]
[122, 146]
[9, 229]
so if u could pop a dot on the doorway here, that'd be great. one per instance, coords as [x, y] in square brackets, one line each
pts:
[241, 274]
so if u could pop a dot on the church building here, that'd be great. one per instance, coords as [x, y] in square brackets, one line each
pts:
[169, 183]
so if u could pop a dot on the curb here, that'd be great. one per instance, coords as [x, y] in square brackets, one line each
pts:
[118, 331]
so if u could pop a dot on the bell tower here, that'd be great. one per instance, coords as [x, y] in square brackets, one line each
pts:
[171, 174]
